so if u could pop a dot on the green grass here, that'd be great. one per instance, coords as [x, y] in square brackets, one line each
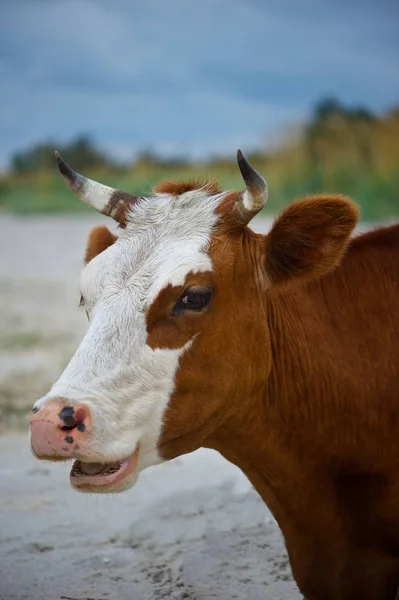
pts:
[378, 196]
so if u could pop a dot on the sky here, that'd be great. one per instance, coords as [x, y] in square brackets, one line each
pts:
[184, 76]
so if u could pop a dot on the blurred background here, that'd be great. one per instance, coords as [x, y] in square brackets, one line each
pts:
[135, 92]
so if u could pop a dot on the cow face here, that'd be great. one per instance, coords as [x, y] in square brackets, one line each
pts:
[177, 316]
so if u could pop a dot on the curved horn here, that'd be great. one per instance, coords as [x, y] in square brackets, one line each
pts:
[253, 199]
[106, 200]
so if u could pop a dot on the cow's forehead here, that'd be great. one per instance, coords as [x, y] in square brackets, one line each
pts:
[165, 239]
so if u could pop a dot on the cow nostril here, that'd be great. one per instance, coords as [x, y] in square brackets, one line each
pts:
[67, 415]
[72, 418]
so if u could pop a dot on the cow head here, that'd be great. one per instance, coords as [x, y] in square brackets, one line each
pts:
[178, 336]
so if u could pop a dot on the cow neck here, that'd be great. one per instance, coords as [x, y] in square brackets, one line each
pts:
[268, 436]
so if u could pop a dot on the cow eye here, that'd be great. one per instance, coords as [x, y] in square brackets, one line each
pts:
[81, 304]
[192, 300]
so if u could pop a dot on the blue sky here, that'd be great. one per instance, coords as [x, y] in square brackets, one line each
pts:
[185, 76]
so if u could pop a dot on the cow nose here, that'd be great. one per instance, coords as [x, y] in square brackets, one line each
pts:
[58, 430]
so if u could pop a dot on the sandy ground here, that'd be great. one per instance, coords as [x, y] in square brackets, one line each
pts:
[190, 529]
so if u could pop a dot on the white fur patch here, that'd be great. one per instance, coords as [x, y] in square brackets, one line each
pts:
[126, 384]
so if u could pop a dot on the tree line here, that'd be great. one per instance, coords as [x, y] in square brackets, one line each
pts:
[332, 127]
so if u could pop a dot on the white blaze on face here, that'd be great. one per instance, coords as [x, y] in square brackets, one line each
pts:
[126, 384]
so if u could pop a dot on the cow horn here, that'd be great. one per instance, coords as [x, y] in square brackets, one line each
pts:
[253, 198]
[106, 200]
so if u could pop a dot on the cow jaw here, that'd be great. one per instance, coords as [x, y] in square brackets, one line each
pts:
[104, 477]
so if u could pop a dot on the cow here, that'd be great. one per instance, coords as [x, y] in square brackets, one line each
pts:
[279, 351]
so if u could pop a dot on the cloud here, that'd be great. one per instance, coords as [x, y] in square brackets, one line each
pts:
[193, 76]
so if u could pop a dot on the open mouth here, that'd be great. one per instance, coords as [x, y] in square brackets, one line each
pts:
[102, 475]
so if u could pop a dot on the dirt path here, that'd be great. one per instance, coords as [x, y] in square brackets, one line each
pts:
[192, 529]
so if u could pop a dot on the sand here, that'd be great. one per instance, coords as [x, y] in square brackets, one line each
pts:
[193, 528]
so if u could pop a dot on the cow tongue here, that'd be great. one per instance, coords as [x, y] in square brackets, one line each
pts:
[94, 468]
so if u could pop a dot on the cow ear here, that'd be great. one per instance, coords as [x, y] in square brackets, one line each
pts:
[309, 238]
[100, 238]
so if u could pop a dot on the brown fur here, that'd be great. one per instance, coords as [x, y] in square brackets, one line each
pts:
[166, 331]
[176, 188]
[298, 385]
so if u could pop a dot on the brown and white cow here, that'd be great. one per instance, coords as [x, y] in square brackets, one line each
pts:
[279, 351]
